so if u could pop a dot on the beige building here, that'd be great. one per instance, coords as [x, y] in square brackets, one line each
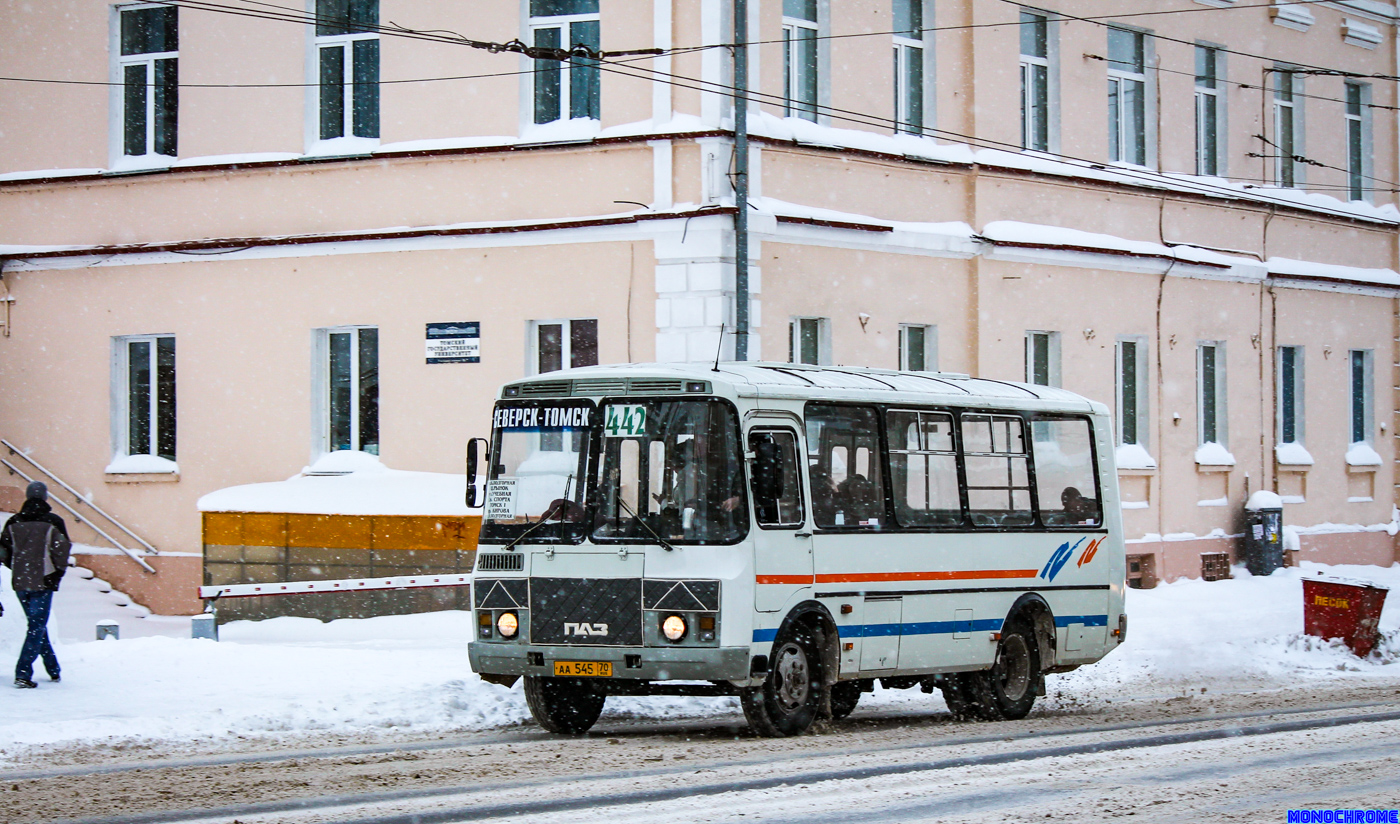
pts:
[236, 237]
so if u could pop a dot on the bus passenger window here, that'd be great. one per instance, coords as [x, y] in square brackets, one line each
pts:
[785, 510]
[923, 468]
[847, 490]
[998, 483]
[1065, 472]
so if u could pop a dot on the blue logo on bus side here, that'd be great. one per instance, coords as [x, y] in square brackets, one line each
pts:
[1058, 560]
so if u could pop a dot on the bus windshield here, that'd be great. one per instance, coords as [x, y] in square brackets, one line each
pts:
[671, 470]
[537, 471]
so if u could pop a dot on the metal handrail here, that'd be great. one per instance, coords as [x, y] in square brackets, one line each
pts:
[113, 521]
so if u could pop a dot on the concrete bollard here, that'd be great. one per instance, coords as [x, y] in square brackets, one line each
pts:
[108, 629]
[203, 626]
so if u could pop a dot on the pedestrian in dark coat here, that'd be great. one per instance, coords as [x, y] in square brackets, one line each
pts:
[34, 545]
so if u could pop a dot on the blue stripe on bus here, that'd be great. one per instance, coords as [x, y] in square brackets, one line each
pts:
[763, 636]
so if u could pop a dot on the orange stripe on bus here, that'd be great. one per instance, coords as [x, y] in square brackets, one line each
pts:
[942, 575]
[784, 579]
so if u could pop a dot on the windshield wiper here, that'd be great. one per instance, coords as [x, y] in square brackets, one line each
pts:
[561, 503]
[660, 540]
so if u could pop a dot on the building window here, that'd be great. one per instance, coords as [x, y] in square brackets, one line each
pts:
[347, 48]
[1290, 394]
[1127, 97]
[1287, 134]
[809, 341]
[1043, 358]
[1132, 391]
[800, 59]
[1035, 82]
[569, 89]
[1358, 139]
[1361, 395]
[563, 344]
[1210, 392]
[918, 347]
[149, 65]
[909, 66]
[350, 363]
[1207, 111]
[145, 414]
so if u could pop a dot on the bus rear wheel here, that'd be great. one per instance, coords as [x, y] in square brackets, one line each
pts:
[1006, 692]
[844, 697]
[787, 702]
[563, 705]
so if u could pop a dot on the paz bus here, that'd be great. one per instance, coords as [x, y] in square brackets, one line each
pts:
[789, 535]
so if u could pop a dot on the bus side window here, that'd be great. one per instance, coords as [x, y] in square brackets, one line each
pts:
[923, 468]
[847, 489]
[998, 481]
[1065, 473]
[785, 510]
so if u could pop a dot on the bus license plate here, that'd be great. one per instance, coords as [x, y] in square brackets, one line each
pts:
[586, 669]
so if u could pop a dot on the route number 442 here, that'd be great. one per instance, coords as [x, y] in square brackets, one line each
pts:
[625, 421]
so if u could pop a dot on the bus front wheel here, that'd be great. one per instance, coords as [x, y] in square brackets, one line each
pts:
[563, 705]
[787, 702]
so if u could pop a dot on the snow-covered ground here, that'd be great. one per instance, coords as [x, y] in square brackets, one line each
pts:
[300, 679]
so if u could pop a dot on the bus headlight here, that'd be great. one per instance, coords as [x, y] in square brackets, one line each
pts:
[508, 624]
[673, 628]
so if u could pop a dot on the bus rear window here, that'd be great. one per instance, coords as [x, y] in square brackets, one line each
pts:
[1065, 473]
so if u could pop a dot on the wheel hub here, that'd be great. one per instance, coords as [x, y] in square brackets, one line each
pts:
[791, 678]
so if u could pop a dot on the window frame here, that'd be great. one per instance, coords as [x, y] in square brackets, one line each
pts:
[535, 73]
[930, 353]
[1293, 389]
[347, 141]
[566, 343]
[1358, 141]
[823, 340]
[793, 105]
[1221, 406]
[1027, 65]
[800, 463]
[1096, 463]
[121, 400]
[1367, 411]
[1141, 364]
[321, 411]
[1288, 173]
[1117, 80]
[911, 60]
[879, 460]
[960, 476]
[1052, 354]
[1211, 164]
[119, 115]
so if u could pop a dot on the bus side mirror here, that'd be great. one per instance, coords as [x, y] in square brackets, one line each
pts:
[475, 447]
[768, 470]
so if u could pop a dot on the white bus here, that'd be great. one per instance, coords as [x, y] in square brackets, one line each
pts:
[791, 534]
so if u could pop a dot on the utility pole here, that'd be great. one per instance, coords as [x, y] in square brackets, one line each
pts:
[741, 180]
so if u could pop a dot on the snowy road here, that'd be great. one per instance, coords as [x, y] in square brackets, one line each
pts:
[1276, 751]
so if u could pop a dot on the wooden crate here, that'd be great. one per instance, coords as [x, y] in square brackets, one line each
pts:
[1215, 566]
[1142, 571]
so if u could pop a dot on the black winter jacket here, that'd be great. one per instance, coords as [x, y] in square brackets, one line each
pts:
[23, 548]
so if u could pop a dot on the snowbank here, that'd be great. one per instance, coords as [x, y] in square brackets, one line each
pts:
[348, 483]
[297, 677]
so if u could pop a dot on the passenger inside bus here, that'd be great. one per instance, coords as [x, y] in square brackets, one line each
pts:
[1078, 509]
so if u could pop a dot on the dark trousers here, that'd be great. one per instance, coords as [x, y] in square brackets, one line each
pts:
[36, 641]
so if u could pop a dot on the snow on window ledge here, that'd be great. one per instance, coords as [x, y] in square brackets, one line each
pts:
[1134, 504]
[1133, 456]
[142, 465]
[1214, 502]
[1292, 454]
[1362, 454]
[141, 163]
[575, 130]
[343, 147]
[1213, 454]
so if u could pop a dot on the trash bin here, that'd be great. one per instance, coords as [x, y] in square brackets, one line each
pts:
[1263, 538]
[1345, 609]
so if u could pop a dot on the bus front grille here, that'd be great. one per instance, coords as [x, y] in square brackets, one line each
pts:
[586, 611]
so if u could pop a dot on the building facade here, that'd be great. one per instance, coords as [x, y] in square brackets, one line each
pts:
[229, 231]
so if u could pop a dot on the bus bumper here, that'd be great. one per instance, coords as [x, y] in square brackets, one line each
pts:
[639, 663]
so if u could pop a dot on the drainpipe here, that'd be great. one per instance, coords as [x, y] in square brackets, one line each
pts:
[741, 180]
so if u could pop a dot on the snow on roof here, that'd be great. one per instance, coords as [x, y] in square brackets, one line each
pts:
[348, 483]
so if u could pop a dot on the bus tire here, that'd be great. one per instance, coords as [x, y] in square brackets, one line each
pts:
[1006, 692]
[844, 697]
[563, 705]
[958, 694]
[790, 697]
